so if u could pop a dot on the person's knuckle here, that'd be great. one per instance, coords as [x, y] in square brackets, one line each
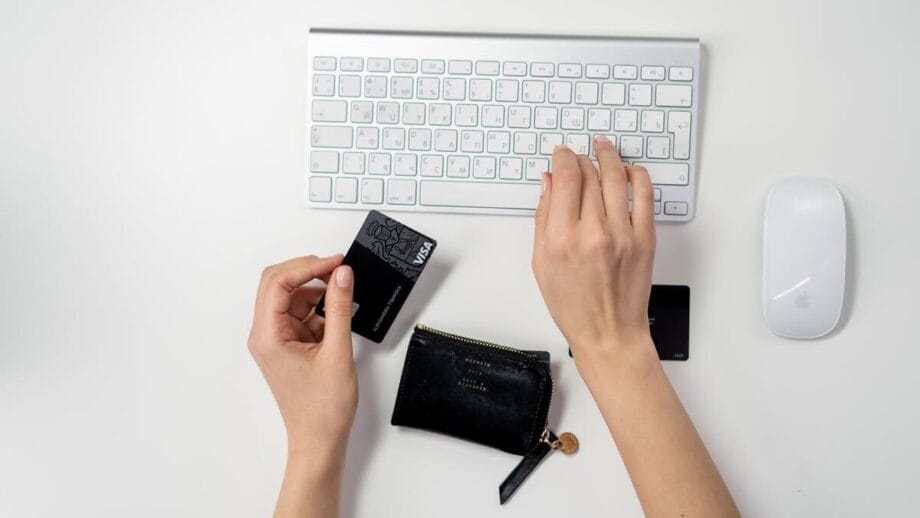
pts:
[338, 307]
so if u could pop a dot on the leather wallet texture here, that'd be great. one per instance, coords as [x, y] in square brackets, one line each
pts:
[486, 393]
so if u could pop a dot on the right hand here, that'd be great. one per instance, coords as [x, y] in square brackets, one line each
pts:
[591, 258]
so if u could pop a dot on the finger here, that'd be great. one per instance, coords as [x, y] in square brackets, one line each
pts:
[314, 323]
[613, 180]
[643, 209]
[280, 280]
[542, 213]
[592, 202]
[304, 299]
[566, 204]
[339, 301]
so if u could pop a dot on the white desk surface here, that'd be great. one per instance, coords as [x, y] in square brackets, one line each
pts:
[151, 158]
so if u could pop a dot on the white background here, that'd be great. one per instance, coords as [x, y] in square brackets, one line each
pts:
[151, 158]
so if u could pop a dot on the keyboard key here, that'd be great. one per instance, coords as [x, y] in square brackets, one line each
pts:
[404, 164]
[460, 67]
[479, 194]
[678, 96]
[323, 85]
[506, 90]
[324, 161]
[625, 72]
[578, 142]
[458, 166]
[624, 120]
[569, 70]
[657, 207]
[519, 116]
[349, 86]
[675, 208]
[454, 88]
[331, 136]
[323, 63]
[652, 121]
[680, 74]
[679, 125]
[330, 111]
[613, 94]
[378, 163]
[510, 168]
[367, 137]
[401, 87]
[549, 141]
[320, 188]
[597, 71]
[353, 163]
[394, 138]
[362, 111]
[484, 167]
[542, 69]
[432, 165]
[375, 86]
[545, 117]
[466, 115]
[480, 89]
[487, 68]
[515, 68]
[630, 146]
[493, 116]
[652, 73]
[471, 141]
[428, 88]
[658, 147]
[439, 114]
[432, 66]
[419, 139]
[572, 118]
[640, 95]
[346, 190]
[413, 113]
[352, 64]
[445, 140]
[657, 194]
[560, 92]
[525, 143]
[387, 113]
[585, 93]
[378, 65]
[401, 192]
[667, 173]
[371, 190]
[533, 91]
[405, 66]
[535, 167]
[599, 119]
[499, 142]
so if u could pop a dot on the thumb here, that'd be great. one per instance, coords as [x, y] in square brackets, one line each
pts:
[339, 298]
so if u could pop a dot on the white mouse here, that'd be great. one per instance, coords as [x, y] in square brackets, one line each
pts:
[804, 258]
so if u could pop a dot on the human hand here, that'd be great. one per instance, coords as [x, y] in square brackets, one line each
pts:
[591, 258]
[307, 360]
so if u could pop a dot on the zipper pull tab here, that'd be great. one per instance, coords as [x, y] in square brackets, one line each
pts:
[566, 443]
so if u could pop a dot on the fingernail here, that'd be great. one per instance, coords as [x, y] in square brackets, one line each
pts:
[343, 276]
[560, 146]
[602, 138]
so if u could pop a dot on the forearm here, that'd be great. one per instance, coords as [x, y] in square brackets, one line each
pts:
[312, 483]
[667, 461]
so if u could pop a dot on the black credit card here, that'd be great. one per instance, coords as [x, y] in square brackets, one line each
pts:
[669, 321]
[387, 258]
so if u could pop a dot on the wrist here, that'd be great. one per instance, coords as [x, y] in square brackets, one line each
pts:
[615, 357]
[316, 459]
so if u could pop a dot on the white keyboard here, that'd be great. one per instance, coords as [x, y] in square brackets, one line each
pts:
[466, 123]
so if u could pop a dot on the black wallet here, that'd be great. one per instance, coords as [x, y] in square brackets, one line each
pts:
[483, 392]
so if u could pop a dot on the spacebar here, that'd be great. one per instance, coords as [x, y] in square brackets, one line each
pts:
[485, 195]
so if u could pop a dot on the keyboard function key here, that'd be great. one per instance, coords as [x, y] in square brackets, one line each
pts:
[680, 74]
[378, 64]
[324, 63]
[597, 71]
[676, 96]
[346, 190]
[460, 67]
[652, 73]
[625, 72]
[679, 125]
[667, 173]
[372, 190]
[330, 111]
[514, 68]
[352, 64]
[321, 188]
[401, 191]
[432, 66]
[487, 68]
[570, 70]
[331, 136]
[405, 66]
[542, 69]
[675, 208]
[324, 161]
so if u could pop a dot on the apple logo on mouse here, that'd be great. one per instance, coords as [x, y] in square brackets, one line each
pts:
[802, 300]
